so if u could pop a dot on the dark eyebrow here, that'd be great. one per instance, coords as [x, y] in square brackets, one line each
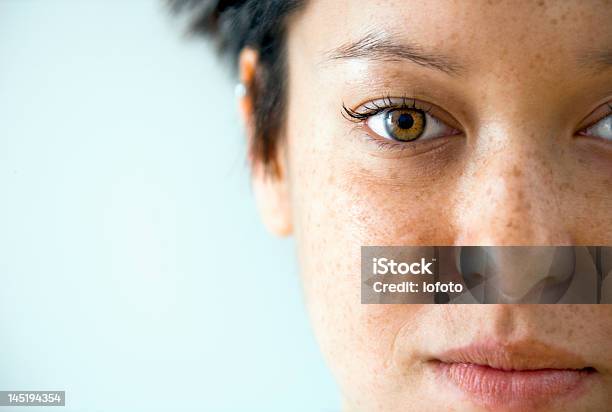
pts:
[386, 47]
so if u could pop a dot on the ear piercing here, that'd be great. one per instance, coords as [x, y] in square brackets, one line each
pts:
[240, 90]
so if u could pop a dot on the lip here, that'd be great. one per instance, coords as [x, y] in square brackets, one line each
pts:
[516, 376]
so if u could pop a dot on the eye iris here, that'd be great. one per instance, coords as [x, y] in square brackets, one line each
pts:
[405, 124]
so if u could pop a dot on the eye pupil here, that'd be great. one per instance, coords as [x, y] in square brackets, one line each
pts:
[405, 121]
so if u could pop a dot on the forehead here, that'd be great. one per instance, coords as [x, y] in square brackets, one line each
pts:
[508, 33]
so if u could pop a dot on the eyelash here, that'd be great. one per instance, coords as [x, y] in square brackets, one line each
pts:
[360, 116]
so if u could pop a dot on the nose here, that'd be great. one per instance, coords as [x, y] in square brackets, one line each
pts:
[518, 274]
[508, 194]
[509, 197]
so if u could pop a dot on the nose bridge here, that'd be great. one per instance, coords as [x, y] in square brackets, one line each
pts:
[508, 196]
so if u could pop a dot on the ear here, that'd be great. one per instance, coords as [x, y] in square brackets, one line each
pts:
[271, 189]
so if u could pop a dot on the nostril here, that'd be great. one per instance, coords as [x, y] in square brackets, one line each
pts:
[470, 262]
[563, 264]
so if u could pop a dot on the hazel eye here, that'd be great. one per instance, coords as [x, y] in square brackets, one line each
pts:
[407, 124]
[602, 129]
[404, 124]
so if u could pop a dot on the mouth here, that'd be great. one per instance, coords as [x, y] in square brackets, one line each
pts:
[517, 376]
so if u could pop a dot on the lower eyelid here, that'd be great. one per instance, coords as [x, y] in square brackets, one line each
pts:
[392, 150]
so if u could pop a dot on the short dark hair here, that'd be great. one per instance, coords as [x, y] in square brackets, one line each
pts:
[259, 24]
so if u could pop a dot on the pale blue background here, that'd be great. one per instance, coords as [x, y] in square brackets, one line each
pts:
[134, 272]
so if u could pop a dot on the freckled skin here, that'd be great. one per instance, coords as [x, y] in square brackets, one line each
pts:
[516, 176]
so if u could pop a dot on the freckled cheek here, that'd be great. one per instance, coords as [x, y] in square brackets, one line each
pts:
[339, 207]
[350, 212]
[336, 212]
[366, 210]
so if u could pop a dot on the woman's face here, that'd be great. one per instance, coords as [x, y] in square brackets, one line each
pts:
[507, 157]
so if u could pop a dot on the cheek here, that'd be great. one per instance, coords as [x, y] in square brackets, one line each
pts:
[347, 194]
[337, 207]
